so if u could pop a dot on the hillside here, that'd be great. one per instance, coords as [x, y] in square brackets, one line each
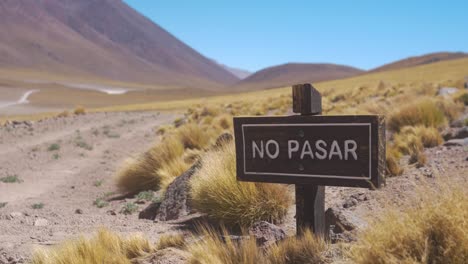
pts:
[421, 60]
[293, 73]
[100, 38]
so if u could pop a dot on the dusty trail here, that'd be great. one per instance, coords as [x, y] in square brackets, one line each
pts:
[91, 148]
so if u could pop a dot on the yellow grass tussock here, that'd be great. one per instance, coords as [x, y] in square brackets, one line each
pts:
[142, 173]
[79, 110]
[194, 136]
[171, 240]
[105, 248]
[425, 112]
[215, 248]
[433, 230]
[216, 192]
[393, 162]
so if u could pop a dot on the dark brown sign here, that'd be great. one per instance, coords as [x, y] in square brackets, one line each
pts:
[320, 150]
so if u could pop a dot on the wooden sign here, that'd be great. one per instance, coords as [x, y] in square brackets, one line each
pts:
[321, 150]
[311, 151]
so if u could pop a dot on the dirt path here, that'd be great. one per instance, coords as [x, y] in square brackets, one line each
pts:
[66, 164]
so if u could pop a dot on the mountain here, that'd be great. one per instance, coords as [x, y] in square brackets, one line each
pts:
[293, 73]
[421, 60]
[239, 73]
[102, 39]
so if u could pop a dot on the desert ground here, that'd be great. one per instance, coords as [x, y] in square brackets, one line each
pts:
[71, 178]
[63, 165]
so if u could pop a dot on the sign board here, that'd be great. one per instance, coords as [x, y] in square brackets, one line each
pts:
[320, 150]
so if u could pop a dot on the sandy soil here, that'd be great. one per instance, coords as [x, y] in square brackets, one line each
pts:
[91, 149]
[93, 146]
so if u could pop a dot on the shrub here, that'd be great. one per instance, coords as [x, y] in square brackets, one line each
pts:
[100, 203]
[171, 170]
[451, 109]
[425, 112]
[3, 204]
[463, 98]
[216, 192]
[434, 231]
[11, 179]
[63, 114]
[429, 136]
[142, 174]
[129, 208]
[172, 240]
[193, 136]
[105, 247]
[145, 196]
[54, 147]
[224, 122]
[215, 248]
[393, 162]
[79, 110]
[306, 248]
[37, 206]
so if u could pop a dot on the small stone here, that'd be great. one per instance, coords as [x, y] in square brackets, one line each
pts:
[350, 203]
[335, 218]
[266, 234]
[78, 211]
[111, 212]
[41, 222]
[16, 214]
[456, 142]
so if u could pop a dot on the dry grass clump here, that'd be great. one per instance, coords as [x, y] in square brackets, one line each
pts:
[63, 114]
[79, 110]
[172, 240]
[433, 231]
[306, 248]
[393, 162]
[224, 122]
[194, 136]
[424, 112]
[428, 137]
[216, 192]
[144, 172]
[106, 247]
[215, 248]
[463, 98]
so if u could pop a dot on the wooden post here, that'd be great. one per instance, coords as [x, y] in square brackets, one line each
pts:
[310, 199]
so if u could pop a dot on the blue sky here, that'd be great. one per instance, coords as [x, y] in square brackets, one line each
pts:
[365, 34]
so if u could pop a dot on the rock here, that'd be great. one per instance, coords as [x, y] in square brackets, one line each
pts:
[350, 202]
[16, 214]
[456, 142]
[150, 211]
[456, 133]
[223, 139]
[266, 233]
[445, 91]
[337, 221]
[78, 211]
[176, 203]
[166, 256]
[111, 212]
[41, 222]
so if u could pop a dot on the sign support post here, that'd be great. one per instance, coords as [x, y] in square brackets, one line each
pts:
[311, 151]
[310, 198]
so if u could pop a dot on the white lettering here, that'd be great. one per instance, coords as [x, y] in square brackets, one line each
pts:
[256, 149]
[292, 148]
[320, 145]
[276, 153]
[335, 150]
[307, 150]
[350, 147]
